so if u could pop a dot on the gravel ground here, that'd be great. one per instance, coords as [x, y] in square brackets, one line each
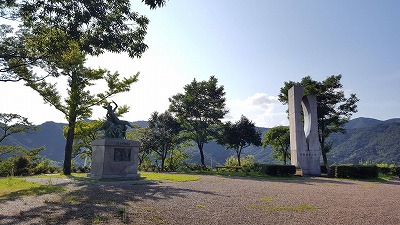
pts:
[210, 200]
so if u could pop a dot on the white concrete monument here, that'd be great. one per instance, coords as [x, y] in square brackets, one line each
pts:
[305, 148]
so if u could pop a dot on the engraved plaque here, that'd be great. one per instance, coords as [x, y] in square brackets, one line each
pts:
[122, 154]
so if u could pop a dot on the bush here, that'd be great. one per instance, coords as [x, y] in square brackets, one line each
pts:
[45, 166]
[6, 168]
[324, 169]
[83, 169]
[355, 171]
[146, 166]
[247, 163]
[196, 167]
[22, 166]
[386, 169]
[397, 171]
[275, 170]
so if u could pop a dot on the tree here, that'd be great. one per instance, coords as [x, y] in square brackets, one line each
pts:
[17, 156]
[333, 107]
[96, 25]
[200, 110]
[13, 123]
[143, 136]
[240, 135]
[57, 36]
[162, 135]
[279, 139]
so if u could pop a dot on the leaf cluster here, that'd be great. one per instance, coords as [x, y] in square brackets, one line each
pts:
[279, 139]
[240, 134]
[200, 108]
[13, 123]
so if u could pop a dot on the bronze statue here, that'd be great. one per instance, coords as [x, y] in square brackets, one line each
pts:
[114, 127]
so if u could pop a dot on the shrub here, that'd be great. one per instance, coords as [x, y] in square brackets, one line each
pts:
[6, 168]
[83, 169]
[275, 170]
[387, 169]
[247, 163]
[197, 167]
[45, 166]
[146, 165]
[355, 171]
[397, 171]
[22, 166]
[324, 169]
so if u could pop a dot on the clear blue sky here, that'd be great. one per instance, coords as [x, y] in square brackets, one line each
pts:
[253, 47]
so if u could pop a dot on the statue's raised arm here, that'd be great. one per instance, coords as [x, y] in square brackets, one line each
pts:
[114, 127]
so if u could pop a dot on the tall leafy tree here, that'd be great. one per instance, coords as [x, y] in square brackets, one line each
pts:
[333, 107]
[279, 139]
[240, 135]
[161, 135]
[200, 110]
[56, 36]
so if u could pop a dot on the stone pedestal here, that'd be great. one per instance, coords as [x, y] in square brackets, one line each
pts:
[114, 158]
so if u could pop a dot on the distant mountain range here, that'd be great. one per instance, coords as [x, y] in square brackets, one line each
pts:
[365, 140]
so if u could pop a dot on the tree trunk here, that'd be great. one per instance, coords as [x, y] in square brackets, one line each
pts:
[238, 156]
[162, 164]
[325, 159]
[200, 146]
[284, 157]
[69, 144]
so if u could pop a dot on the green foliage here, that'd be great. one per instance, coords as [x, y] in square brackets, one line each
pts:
[85, 133]
[22, 165]
[161, 136]
[334, 109]
[200, 110]
[26, 162]
[6, 168]
[275, 170]
[247, 163]
[176, 160]
[56, 37]
[279, 139]
[45, 166]
[13, 123]
[355, 171]
[397, 171]
[240, 135]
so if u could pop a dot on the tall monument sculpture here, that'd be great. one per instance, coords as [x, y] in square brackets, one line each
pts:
[305, 148]
[114, 156]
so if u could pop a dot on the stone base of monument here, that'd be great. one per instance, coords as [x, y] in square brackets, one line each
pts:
[114, 158]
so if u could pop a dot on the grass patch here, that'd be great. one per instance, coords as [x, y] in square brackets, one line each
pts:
[12, 187]
[169, 176]
[61, 176]
[266, 199]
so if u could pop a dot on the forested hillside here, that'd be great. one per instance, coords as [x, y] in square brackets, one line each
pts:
[366, 140]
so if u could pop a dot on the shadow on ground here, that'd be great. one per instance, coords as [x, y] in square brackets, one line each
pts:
[90, 203]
